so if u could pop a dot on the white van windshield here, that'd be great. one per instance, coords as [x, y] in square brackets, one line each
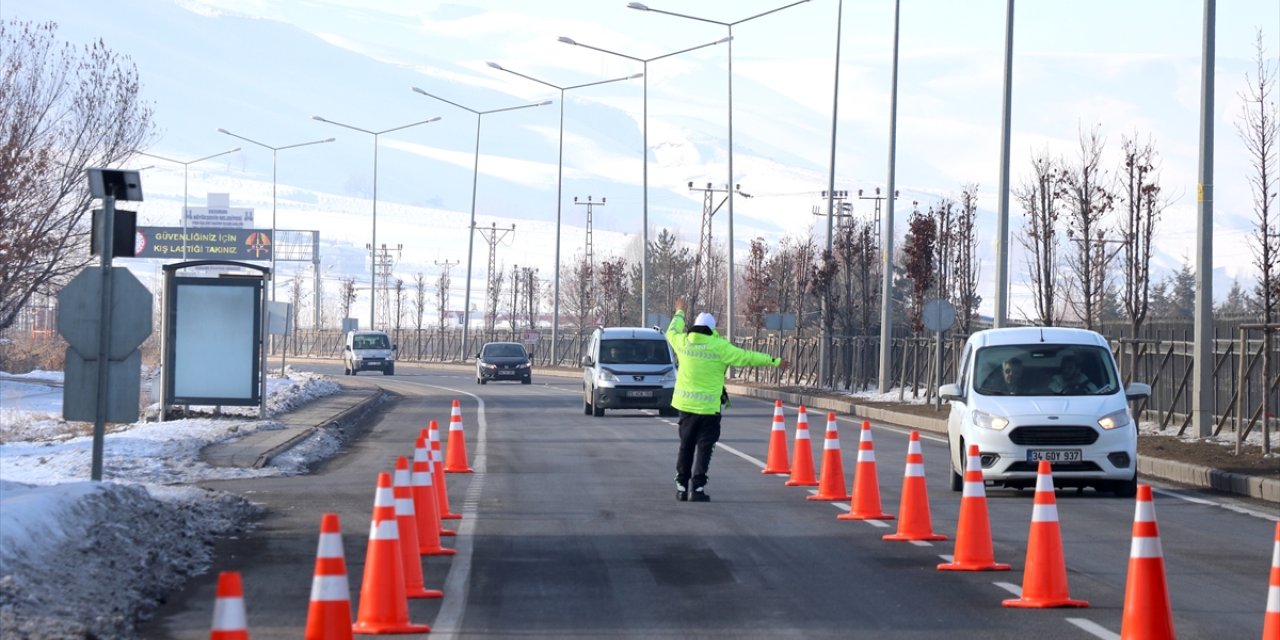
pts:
[370, 341]
[634, 351]
[1044, 369]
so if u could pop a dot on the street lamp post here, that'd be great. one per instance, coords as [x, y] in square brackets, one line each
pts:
[728, 332]
[555, 313]
[644, 262]
[274, 151]
[373, 244]
[186, 164]
[471, 228]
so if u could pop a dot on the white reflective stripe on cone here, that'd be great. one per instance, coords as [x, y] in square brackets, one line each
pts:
[330, 589]
[330, 546]
[384, 530]
[228, 614]
[1044, 513]
[1145, 547]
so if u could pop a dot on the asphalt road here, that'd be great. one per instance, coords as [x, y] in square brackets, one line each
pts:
[571, 530]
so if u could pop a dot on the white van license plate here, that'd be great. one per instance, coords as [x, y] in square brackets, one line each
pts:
[1053, 455]
[640, 394]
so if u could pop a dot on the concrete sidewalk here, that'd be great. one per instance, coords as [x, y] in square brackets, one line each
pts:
[256, 449]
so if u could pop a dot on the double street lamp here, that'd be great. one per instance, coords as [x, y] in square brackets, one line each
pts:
[373, 244]
[555, 313]
[185, 165]
[644, 262]
[471, 228]
[728, 332]
[274, 151]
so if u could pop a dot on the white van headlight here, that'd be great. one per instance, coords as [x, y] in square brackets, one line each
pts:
[669, 376]
[605, 376]
[989, 421]
[1114, 420]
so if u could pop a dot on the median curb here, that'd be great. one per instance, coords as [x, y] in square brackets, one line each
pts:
[1266, 489]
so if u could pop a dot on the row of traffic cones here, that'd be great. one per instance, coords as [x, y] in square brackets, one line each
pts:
[1147, 611]
[408, 510]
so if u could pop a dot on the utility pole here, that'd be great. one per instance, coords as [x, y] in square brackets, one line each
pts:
[590, 284]
[531, 290]
[493, 235]
[703, 258]
[382, 264]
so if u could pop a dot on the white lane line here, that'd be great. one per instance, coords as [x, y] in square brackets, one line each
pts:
[1094, 629]
[921, 543]
[1010, 587]
[947, 558]
[1172, 493]
[454, 605]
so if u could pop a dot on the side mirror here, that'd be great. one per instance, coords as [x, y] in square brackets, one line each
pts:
[1137, 391]
[346, 347]
[394, 347]
[477, 355]
[950, 392]
[587, 361]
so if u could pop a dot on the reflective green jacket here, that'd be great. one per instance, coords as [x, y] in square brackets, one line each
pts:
[703, 360]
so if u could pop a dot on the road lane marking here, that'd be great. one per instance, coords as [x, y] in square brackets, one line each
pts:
[1010, 587]
[456, 583]
[1094, 628]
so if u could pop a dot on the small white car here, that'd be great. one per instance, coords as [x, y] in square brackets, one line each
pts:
[368, 351]
[1026, 394]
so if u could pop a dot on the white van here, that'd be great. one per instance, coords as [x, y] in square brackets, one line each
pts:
[1026, 394]
[368, 351]
[628, 368]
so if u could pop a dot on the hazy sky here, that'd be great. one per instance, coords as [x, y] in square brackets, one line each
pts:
[262, 68]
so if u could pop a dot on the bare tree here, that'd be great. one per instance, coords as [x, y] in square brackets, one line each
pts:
[442, 297]
[346, 296]
[944, 215]
[62, 108]
[297, 295]
[967, 266]
[1088, 200]
[917, 261]
[419, 307]
[1259, 129]
[1141, 205]
[613, 290]
[757, 280]
[495, 295]
[1041, 200]
[398, 321]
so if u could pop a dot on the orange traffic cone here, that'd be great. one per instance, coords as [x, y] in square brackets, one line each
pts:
[329, 615]
[407, 522]
[865, 504]
[973, 531]
[384, 607]
[802, 468]
[437, 472]
[831, 483]
[1271, 623]
[424, 503]
[914, 523]
[776, 462]
[228, 609]
[456, 462]
[1147, 613]
[1044, 579]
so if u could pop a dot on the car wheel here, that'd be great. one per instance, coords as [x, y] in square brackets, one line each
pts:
[586, 402]
[484, 381]
[527, 380]
[1126, 488]
[389, 371]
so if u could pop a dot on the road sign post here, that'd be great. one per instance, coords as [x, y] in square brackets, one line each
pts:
[104, 314]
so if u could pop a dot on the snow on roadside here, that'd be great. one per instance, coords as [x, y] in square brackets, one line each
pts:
[91, 559]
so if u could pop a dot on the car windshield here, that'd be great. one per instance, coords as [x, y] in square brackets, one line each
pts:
[634, 352]
[503, 351]
[373, 341]
[1044, 369]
